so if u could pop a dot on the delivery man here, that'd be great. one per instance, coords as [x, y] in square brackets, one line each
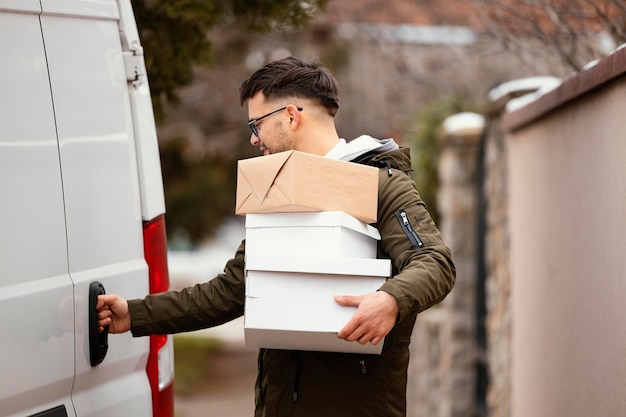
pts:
[291, 106]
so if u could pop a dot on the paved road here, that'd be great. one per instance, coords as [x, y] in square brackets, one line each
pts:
[226, 391]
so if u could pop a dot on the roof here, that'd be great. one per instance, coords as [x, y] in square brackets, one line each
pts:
[413, 12]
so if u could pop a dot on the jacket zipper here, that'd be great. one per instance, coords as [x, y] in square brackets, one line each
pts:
[260, 376]
[363, 368]
[298, 360]
[408, 229]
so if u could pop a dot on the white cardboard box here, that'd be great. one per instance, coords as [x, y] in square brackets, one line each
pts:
[332, 234]
[290, 305]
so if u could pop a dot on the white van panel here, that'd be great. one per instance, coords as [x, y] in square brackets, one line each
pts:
[122, 277]
[37, 353]
[101, 9]
[36, 297]
[96, 144]
[101, 405]
[109, 389]
[148, 160]
[32, 199]
[20, 5]
[102, 202]
[73, 200]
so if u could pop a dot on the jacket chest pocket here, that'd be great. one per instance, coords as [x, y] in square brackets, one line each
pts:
[409, 231]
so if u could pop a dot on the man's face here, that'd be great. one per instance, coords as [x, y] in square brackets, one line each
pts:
[273, 133]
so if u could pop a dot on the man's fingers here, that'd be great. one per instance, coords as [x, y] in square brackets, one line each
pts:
[355, 332]
[105, 300]
[104, 318]
[362, 338]
[347, 331]
[103, 314]
[348, 300]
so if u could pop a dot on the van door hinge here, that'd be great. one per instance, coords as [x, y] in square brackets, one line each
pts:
[135, 66]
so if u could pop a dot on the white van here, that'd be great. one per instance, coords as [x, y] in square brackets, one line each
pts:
[81, 206]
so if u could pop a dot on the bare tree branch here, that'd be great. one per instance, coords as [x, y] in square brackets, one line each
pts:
[571, 28]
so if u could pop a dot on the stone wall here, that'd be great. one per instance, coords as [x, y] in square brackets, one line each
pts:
[498, 277]
[444, 352]
[471, 331]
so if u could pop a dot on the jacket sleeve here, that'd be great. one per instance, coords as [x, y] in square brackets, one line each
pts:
[201, 306]
[423, 271]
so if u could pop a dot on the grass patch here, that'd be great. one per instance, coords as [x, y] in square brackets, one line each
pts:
[192, 360]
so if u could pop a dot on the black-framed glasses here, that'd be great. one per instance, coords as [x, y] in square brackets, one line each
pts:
[252, 123]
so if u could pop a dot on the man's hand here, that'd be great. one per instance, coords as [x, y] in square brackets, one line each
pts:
[375, 317]
[113, 312]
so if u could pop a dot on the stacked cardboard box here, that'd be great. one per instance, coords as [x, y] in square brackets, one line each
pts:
[293, 181]
[300, 252]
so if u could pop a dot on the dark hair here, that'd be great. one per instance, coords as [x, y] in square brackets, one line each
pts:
[293, 77]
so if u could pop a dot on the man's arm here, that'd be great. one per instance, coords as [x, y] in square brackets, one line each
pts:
[423, 275]
[200, 306]
[424, 272]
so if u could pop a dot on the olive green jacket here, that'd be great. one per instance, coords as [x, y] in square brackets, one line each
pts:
[302, 383]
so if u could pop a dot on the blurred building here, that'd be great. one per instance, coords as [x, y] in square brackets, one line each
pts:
[390, 60]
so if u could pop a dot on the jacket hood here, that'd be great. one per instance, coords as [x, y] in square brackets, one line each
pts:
[350, 151]
[378, 152]
[399, 159]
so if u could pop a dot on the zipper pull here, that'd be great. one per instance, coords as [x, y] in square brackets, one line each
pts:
[405, 220]
[388, 165]
[363, 368]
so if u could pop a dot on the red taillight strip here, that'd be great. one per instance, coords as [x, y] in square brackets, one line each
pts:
[155, 252]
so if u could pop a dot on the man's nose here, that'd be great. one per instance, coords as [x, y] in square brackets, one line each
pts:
[254, 140]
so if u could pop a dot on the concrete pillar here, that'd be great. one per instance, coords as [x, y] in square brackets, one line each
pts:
[443, 362]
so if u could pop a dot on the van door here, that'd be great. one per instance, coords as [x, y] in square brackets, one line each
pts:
[101, 189]
[36, 295]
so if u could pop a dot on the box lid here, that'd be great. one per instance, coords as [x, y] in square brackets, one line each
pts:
[343, 266]
[311, 219]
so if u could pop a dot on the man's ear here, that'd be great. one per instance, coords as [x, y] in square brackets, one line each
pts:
[294, 116]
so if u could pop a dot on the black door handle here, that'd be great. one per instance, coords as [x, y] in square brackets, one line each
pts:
[98, 342]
